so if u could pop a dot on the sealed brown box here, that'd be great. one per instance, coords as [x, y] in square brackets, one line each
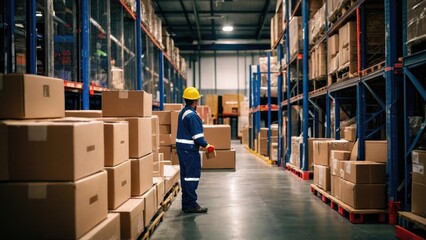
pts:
[139, 134]
[311, 151]
[155, 127]
[131, 218]
[166, 151]
[336, 186]
[171, 176]
[174, 123]
[419, 160]
[322, 150]
[173, 107]
[350, 134]
[126, 104]
[174, 157]
[335, 167]
[218, 136]
[333, 45]
[164, 117]
[50, 151]
[364, 171]
[116, 138]
[231, 102]
[418, 199]
[376, 151]
[119, 184]
[364, 196]
[212, 100]
[165, 140]
[150, 206]
[225, 159]
[25, 96]
[55, 210]
[165, 129]
[340, 154]
[159, 191]
[84, 113]
[141, 176]
[347, 34]
[107, 229]
[322, 177]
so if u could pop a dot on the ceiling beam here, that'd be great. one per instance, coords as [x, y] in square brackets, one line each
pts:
[212, 20]
[163, 15]
[243, 26]
[197, 21]
[262, 19]
[186, 15]
[225, 47]
[176, 12]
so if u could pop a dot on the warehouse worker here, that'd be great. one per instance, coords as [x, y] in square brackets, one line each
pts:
[189, 138]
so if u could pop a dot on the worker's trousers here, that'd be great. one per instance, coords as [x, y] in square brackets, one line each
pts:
[190, 172]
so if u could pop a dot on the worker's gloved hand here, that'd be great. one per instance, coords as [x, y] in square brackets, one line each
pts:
[210, 148]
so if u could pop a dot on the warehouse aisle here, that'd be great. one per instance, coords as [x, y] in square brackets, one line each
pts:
[261, 202]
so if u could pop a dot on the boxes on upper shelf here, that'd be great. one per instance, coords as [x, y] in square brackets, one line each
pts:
[126, 104]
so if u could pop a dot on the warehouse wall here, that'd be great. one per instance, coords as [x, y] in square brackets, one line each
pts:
[221, 71]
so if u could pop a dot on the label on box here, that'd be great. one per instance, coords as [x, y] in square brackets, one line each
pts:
[123, 94]
[37, 133]
[37, 191]
[348, 168]
[418, 168]
[415, 158]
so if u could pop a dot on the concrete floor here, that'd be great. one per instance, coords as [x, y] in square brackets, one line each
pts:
[259, 201]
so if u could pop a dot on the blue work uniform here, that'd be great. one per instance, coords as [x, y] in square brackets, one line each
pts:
[189, 138]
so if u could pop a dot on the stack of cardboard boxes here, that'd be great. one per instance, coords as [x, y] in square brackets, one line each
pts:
[205, 114]
[54, 183]
[262, 140]
[418, 196]
[220, 137]
[348, 50]
[332, 53]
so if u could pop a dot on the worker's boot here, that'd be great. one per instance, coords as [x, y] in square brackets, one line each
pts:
[197, 209]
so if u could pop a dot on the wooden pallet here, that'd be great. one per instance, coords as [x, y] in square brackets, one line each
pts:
[411, 226]
[170, 197]
[153, 225]
[305, 175]
[372, 69]
[353, 215]
[418, 45]
[347, 71]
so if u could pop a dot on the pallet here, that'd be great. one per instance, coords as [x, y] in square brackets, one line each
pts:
[372, 69]
[417, 45]
[345, 72]
[262, 157]
[170, 197]
[355, 216]
[305, 175]
[153, 225]
[411, 226]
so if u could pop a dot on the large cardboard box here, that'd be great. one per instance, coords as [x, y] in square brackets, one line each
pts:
[418, 199]
[165, 140]
[212, 101]
[333, 45]
[166, 151]
[376, 151]
[311, 151]
[116, 139]
[322, 150]
[55, 210]
[225, 159]
[340, 154]
[173, 106]
[165, 129]
[150, 204]
[336, 167]
[84, 113]
[50, 151]
[419, 162]
[347, 34]
[322, 177]
[171, 176]
[155, 124]
[163, 116]
[107, 229]
[142, 169]
[140, 132]
[131, 218]
[336, 186]
[174, 124]
[159, 190]
[363, 196]
[119, 184]
[231, 102]
[25, 96]
[364, 172]
[126, 104]
[218, 136]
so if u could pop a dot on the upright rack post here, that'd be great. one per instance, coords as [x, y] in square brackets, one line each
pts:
[251, 106]
[161, 78]
[280, 92]
[269, 103]
[336, 117]
[9, 36]
[85, 53]
[139, 77]
[305, 16]
[327, 96]
[31, 33]
[259, 83]
[289, 110]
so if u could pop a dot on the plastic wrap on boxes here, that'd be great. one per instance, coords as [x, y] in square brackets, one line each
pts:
[296, 36]
[415, 122]
[316, 24]
[416, 20]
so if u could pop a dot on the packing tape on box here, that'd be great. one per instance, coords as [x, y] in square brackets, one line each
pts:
[418, 168]
[37, 133]
[37, 191]
[123, 94]
[348, 168]
[320, 176]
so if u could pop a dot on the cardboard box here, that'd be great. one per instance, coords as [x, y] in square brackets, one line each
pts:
[174, 124]
[107, 229]
[218, 136]
[322, 150]
[364, 196]
[116, 139]
[336, 186]
[347, 34]
[163, 116]
[126, 104]
[131, 218]
[419, 161]
[159, 190]
[165, 140]
[166, 151]
[55, 210]
[336, 168]
[311, 152]
[84, 113]
[212, 100]
[50, 151]
[171, 176]
[165, 129]
[333, 45]
[142, 169]
[173, 107]
[364, 172]
[340, 154]
[225, 159]
[150, 204]
[155, 124]
[119, 184]
[174, 157]
[26, 96]
[418, 199]
[322, 177]
[376, 151]
[231, 102]
[139, 134]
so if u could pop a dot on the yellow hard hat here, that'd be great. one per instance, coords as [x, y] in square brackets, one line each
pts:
[191, 93]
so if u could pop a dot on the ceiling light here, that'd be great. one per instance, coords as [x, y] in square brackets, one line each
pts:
[228, 28]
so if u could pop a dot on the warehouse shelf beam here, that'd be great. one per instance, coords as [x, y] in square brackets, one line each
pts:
[85, 53]
[375, 131]
[344, 84]
[374, 94]
[374, 75]
[139, 75]
[339, 23]
[373, 116]
[31, 37]
[417, 84]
